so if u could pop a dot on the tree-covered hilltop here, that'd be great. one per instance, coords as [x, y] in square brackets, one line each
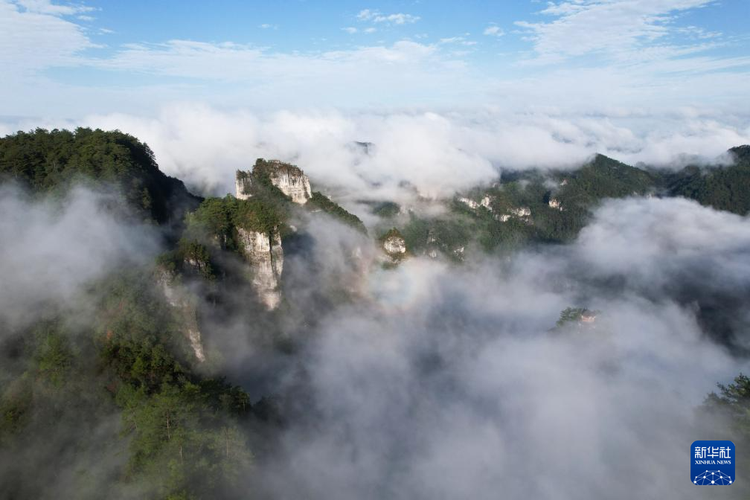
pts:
[220, 217]
[259, 183]
[264, 169]
[723, 187]
[46, 161]
[602, 178]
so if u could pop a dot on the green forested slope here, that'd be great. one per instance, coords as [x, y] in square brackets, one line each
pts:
[723, 188]
[48, 160]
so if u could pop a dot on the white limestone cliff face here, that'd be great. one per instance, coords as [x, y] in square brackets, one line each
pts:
[243, 184]
[288, 178]
[485, 202]
[394, 245]
[183, 304]
[555, 203]
[266, 259]
[521, 213]
[468, 202]
[295, 186]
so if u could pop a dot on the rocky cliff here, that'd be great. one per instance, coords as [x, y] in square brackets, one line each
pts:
[243, 185]
[289, 179]
[183, 304]
[296, 187]
[394, 245]
[265, 256]
[256, 217]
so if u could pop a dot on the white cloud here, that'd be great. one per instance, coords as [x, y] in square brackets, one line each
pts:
[365, 14]
[603, 26]
[670, 236]
[376, 17]
[266, 26]
[47, 7]
[494, 31]
[234, 62]
[459, 40]
[436, 153]
[35, 37]
[351, 30]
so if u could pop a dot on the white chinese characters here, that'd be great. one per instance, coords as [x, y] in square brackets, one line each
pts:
[712, 452]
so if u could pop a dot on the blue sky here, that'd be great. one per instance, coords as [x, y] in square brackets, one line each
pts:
[449, 91]
[66, 59]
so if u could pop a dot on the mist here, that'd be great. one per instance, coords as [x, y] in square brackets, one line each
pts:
[53, 246]
[434, 152]
[450, 382]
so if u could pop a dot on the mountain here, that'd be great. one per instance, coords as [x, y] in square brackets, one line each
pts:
[721, 187]
[525, 207]
[45, 161]
[543, 207]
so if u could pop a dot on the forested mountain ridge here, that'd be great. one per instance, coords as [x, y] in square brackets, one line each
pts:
[724, 187]
[46, 161]
[542, 207]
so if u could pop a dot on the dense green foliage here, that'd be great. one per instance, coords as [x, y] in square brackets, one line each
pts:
[733, 401]
[49, 160]
[571, 315]
[726, 415]
[447, 235]
[724, 188]
[321, 202]
[578, 192]
[178, 421]
[603, 178]
[216, 220]
[183, 429]
[386, 209]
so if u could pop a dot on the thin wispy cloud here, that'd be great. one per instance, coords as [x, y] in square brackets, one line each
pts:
[377, 17]
[604, 27]
[34, 35]
[493, 31]
[459, 40]
[229, 61]
[47, 7]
